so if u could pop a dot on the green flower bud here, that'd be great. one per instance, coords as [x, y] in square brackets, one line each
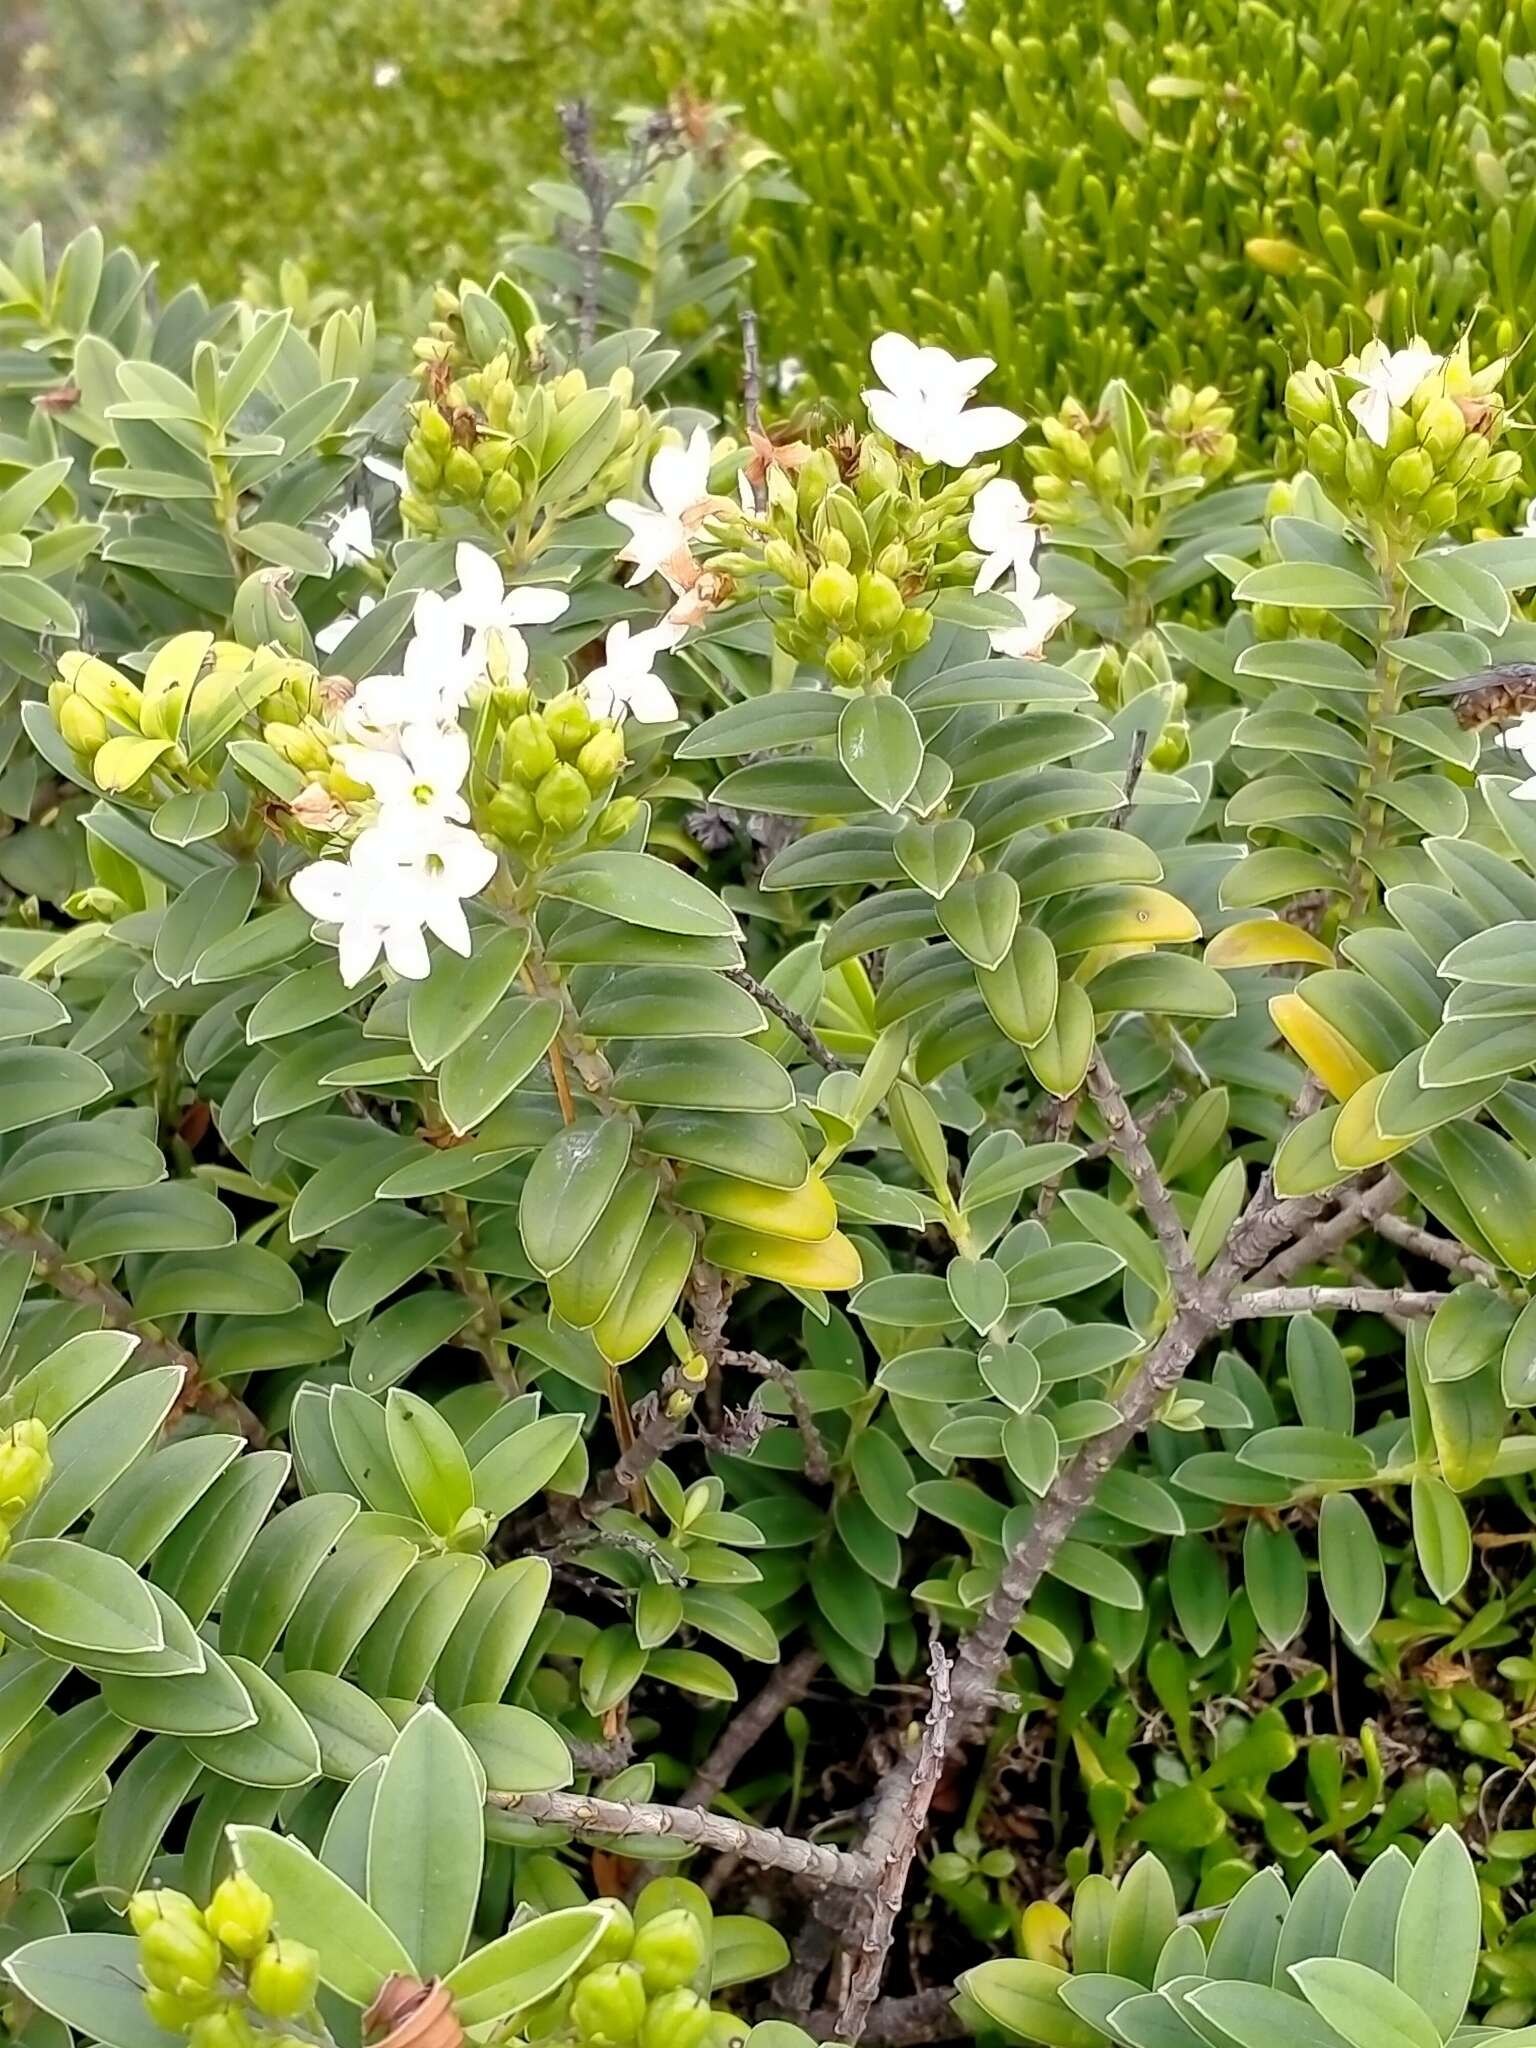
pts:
[1109, 470]
[148, 1908]
[503, 496]
[880, 607]
[421, 466]
[562, 799]
[1308, 397]
[1172, 748]
[834, 591]
[726, 2030]
[1270, 621]
[893, 561]
[493, 453]
[283, 1979]
[616, 819]
[1400, 433]
[227, 2027]
[568, 721]
[1411, 474]
[1442, 429]
[608, 2006]
[82, 726]
[845, 660]
[618, 1935]
[677, 2019]
[1440, 507]
[1364, 470]
[528, 749]
[461, 476]
[915, 630]
[835, 547]
[550, 2016]
[1325, 451]
[436, 434]
[787, 562]
[179, 1955]
[176, 2014]
[239, 1916]
[818, 474]
[1468, 462]
[511, 815]
[301, 745]
[670, 1950]
[601, 758]
[417, 515]
[24, 1472]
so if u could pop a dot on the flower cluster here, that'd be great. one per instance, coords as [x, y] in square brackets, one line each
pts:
[405, 760]
[207, 1972]
[1405, 438]
[1002, 529]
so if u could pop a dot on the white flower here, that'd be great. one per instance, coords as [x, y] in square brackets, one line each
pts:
[660, 541]
[1039, 617]
[430, 685]
[351, 537]
[423, 782]
[380, 903]
[1388, 378]
[1002, 530]
[386, 74]
[922, 404]
[486, 606]
[624, 685]
[330, 637]
[391, 472]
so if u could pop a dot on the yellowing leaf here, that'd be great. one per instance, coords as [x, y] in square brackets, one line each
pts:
[122, 762]
[1356, 1140]
[1264, 942]
[1328, 1053]
[807, 1213]
[177, 663]
[834, 1263]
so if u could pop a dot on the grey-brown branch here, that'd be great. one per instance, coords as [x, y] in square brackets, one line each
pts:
[745, 1730]
[80, 1284]
[626, 1820]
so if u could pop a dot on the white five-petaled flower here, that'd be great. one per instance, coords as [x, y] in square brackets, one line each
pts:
[351, 537]
[625, 684]
[1039, 616]
[660, 538]
[381, 903]
[485, 605]
[1001, 529]
[922, 405]
[420, 784]
[330, 637]
[1388, 377]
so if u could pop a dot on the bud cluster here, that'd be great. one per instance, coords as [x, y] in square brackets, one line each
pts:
[852, 551]
[494, 425]
[558, 761]
[25, 1469]
[645, 1985]
[1406, 441]
[207, 1973]
[1082, 474]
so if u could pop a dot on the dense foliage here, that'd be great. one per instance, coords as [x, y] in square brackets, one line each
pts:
[294, 152]
[1149, 192]
[645, 1072]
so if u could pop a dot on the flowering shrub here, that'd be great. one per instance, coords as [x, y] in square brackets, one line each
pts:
[633, 1050]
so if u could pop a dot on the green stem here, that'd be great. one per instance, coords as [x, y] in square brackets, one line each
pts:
[1370, 827]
